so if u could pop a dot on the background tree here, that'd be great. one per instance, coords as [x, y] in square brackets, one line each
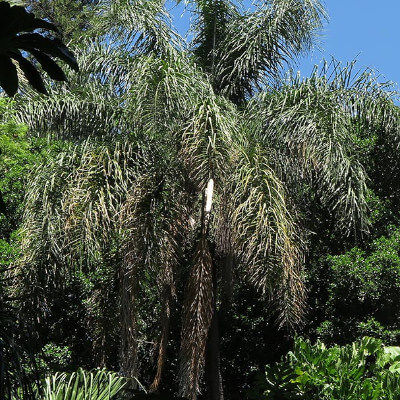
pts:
[72, 18]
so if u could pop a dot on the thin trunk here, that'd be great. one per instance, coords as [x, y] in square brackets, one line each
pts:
[128, 352]
[214, 41]
[3, 207]
[162, 349]
[227, 266]
[227, 277]
[212, 361]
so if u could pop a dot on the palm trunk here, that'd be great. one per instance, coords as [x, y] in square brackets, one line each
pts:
[212, 363]
[128, 322]
[162, 349]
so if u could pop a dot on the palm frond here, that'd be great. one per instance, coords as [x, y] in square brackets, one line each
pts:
[206, 140]
[90, 104]
[256, 45]
[209, 29]
[143, 26]
[265, 235]
[65, 228]
[311, 125]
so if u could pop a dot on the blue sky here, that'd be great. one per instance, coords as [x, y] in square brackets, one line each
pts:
[364, 29]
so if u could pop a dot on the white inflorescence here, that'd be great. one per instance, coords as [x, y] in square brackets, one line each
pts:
[209, 194]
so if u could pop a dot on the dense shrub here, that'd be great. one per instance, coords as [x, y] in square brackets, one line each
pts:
[356, 293]
[358, 371]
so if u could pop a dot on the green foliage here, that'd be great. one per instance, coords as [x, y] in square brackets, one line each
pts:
[19, 154]
[98, 384]
[360, 292]
[364, 370]
[82, 385]
[71, 17]
[57, 358]
[9, 252]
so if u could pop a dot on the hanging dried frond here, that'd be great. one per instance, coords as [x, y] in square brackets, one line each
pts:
[311, 127]
[155, 226]
[129, 314]
[197, 315]
[165, 314]
[265, 234]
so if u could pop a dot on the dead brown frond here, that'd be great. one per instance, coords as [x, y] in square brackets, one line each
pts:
[197, 315]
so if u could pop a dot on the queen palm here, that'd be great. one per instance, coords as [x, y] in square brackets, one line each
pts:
[187, 176]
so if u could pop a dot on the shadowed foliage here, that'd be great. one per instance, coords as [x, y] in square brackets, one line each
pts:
[18, 37]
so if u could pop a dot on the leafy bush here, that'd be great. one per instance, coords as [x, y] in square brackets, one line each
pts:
[356, 294]
[364, 370]
[19, 155]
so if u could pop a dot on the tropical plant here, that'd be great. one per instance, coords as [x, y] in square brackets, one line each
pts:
[18, 36]
[83, 385]
[80, 385]
[361, 370]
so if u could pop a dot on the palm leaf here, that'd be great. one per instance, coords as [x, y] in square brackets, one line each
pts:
[83, 385]
[264, 233]
[311, 126]
[15, 21]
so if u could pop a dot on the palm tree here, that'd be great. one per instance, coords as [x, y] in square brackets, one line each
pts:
[152, 194]
[207, 180]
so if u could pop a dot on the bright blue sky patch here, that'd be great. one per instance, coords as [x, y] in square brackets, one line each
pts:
[366, 30]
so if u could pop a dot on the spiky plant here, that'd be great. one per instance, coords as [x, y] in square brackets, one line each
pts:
[83, 385]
